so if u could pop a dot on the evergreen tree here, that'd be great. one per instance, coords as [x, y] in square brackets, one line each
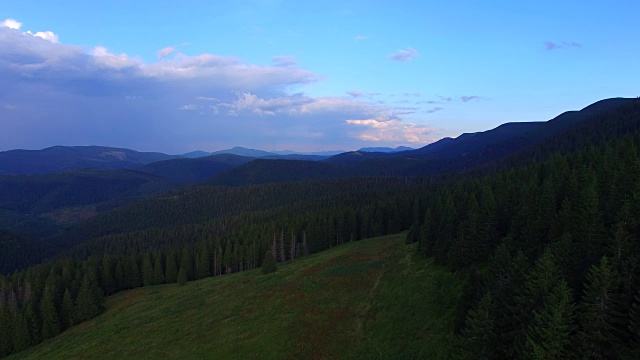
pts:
[634, 326]
[32, 329]
[158, 274]
[269, 263]
[600, 321]
[50, 320]
[477, 338]
[133, 273]
[172, 269]
[548, 335]
[67, 310]
[147, 270]
[120, 278]
[22, 337]
[539, 283]
[186, 262]
[109, 282]
[89, 301]
[6, 343]
[182, 277]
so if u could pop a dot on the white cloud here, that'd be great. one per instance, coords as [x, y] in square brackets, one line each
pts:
[89, 95]
[249, 102]
[360, 37]
[103, 58]
[355, 93]
[404, 55]
[11, 24]
[392, 131]
[165, 52]
[47, 35]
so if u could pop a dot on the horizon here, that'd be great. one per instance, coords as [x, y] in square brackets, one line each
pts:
[281, 75]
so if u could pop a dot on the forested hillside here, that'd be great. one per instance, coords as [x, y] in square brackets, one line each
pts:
[548, 234]
[554, 245]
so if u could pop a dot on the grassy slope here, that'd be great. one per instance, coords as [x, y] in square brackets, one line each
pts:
[375, 298]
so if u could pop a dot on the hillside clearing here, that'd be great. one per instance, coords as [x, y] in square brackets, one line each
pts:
[375, 298]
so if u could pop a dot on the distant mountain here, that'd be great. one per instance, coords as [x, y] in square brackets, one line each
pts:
[266, 171]
[238, 150]
[194, 170]
[63, 158]
[46, 193]
[386, 149]
[283, 154]
[325, 153]
[446, 155]
[296, 157]
[196, 154]
[470, 142]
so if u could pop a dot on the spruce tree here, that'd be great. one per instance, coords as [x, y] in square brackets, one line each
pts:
[89, 301]
[477, 338]
[172, 269]
[549, 333]
[50, 320]
[269, 263]
[22, 337]
[158, 274]
[600, 321]
[182, 277]
[6, 345]
[147, 270]
[67, 310]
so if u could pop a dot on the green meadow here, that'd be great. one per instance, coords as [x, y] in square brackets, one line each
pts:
[376, 299]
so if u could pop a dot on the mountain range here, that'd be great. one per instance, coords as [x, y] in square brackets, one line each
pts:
[52, 188]
[522, 228]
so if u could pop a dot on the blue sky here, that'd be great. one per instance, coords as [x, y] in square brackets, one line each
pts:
[179, 76]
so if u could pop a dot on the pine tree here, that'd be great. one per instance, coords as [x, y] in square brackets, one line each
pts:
[634, 325]
[6, 323]
[147, 270]
[600, 320]
[182, 277]
[133, 273]
[172, 269]
[186, 262]
[50, 320]
[89, 301]
[22, 337]
[109, 282]
[305, 246]
[269, 263]
[67, 310]
[476, 340]
[539, 283]
[548, 335]
[158, 274]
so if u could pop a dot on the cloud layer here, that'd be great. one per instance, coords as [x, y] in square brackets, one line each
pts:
[56, 93]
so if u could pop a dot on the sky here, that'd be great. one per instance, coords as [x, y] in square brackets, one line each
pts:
[179, 76]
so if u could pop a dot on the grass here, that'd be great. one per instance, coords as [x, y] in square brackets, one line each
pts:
[374, 299]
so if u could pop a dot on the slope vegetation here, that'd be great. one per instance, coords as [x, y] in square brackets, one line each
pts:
[374, 298]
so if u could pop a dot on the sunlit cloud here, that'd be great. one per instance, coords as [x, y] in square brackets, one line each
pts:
[63, 94]
[11, 24]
